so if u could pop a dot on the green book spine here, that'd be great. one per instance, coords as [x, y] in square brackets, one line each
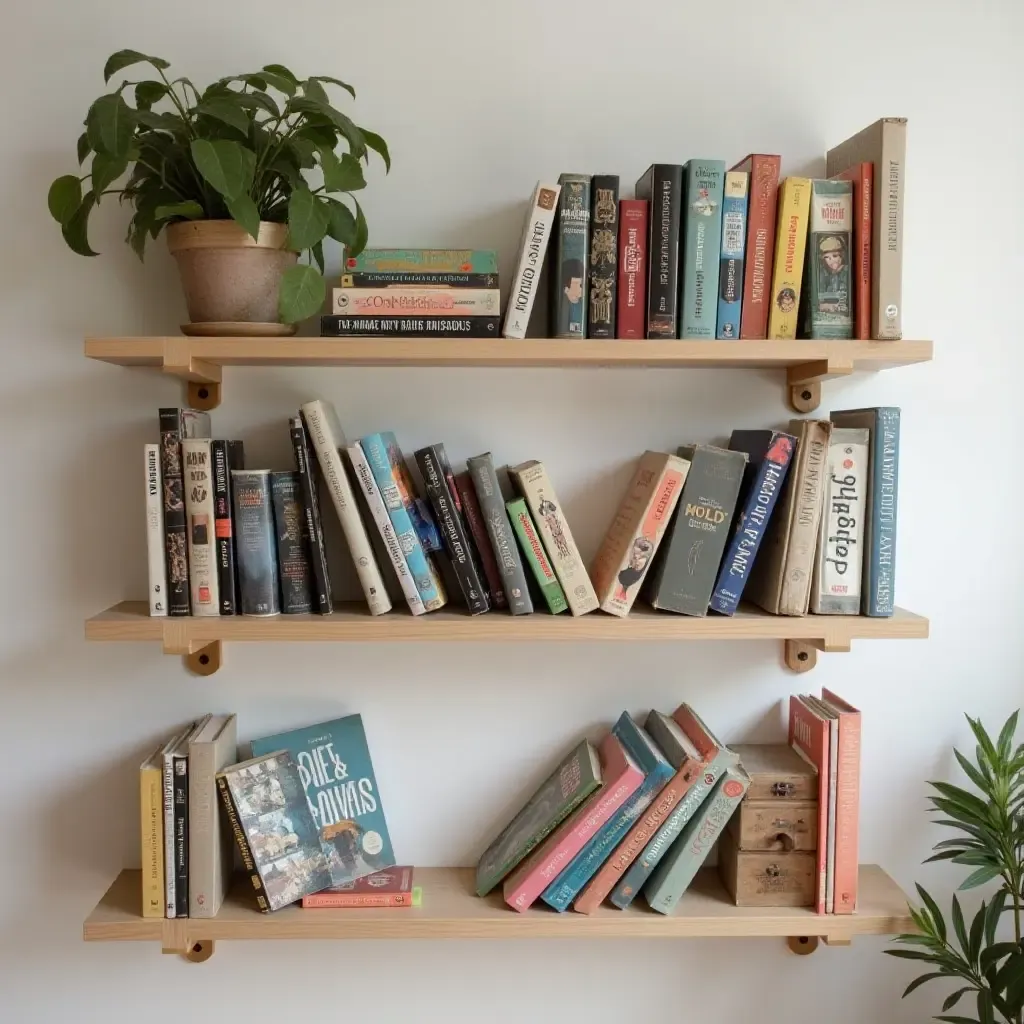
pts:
[828, 309]
[704, 184]
[536, 558]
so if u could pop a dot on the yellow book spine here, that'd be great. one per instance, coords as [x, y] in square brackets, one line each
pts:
[790, 247]
[151, 808]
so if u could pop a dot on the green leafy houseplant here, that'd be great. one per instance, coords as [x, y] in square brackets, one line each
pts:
[239, 150]
[989, 827]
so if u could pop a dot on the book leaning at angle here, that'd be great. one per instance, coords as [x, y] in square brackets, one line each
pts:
[534, 244]
[535, 557]
[155, 532]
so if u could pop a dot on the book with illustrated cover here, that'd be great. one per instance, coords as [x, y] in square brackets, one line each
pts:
[763, 169]
[631, 316]
[790, 247]
[662, 186]
[734, 240]
[437, 261]
[703, 185]
[604, 244]
[293, 568]
[828, 305]
[472, 516]
[259, 586]
[571, 258]
[155, 532]
[419, 509]
[537, 232]
[226, 455]
[308, 469]
[535, 557]
[197, 467]
[862, 176]
[391, 887]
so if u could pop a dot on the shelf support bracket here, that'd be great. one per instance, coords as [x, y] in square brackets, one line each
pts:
[802, 655]
[202, 658]
[804, 381]
[802, 945]
[203, 379]
[176, 943]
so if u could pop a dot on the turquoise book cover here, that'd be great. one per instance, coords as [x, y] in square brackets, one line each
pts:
[334, 764]
[571, 257]
[703, 190]
[730, 268]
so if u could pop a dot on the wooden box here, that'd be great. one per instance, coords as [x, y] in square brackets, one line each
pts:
[771, 826]
[759, 879]
[777, 773]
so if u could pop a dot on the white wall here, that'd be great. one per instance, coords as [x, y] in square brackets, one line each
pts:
[477, 101]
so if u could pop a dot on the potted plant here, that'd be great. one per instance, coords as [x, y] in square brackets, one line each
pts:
[225, 172]
[989, 839]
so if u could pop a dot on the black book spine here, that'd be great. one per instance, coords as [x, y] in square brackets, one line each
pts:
[226, 455]
[306, 468]
[332, 326]
[175, 539]
[418, 279]
[292, 544]
[242, 841]
[662, 187]
[258, 587]
[604, 247]
[181, 835]
[439, 484]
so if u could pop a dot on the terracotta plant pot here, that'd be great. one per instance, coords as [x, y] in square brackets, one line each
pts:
[227, 275]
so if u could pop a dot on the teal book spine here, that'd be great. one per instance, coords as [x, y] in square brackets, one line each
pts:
[885, 475]
[657, 772]
[423, 261]
[704, 190]
[571, 257]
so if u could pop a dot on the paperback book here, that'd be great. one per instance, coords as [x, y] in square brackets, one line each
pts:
[571, 257]
[537, 232]
[604, 243]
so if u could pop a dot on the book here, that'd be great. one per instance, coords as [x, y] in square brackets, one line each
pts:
[734, 240]
[155, 532]
[769, 453]
[884, 145]
[180, 762]
[537, 231]
[532, 480]
[780, 581]
[571, 258]
[631, 315]
[367, 488]
[838, 577]
[817, 708]
[332, 326]
[809, 737]
[881, 503]
[306, 467]
[418, 278]
[210, 750]
[170, 859]
[226, 456]
[576, 777]
[862, 176]
[621, 777]
[763, 169]
[535, 556]
[391, 887]
[439, 484]
[656, 771]
[412, 301]
[790, 248]
[328, 441]
[499, 530]
[604, 244]
[419, 509]
[662, 186]
[176, 425]
[847, 803]
[703, 186]
[437, 261]
[400, 506]
[292, 542]
[197, 469]
[685, 572]
[270, 820]
[259, 587]
[828, 309]
[151, 820]
[631, 543]
[344, 802]
[472, 516]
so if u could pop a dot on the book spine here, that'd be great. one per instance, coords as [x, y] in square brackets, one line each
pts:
[199, 514]
[532, 249]
[154, 895]
[224, 547]
[632, 292]
[258, 581]
[879, 597]
[401, 301]
[828, 311]
[571, 258]
[833, 778]
[438, 261]
[155, 533]
[203, 831]
[662, 187]
[734, 237]
[432, 463]
[170, 871]
[764, 191]
[704, 188]
[175, 542]
[242, 842]
[418, 508]
[419, 279]
[292, 543]
[887, 233]
[604, 243]
[305, 466]
[847, 813]
[790, 247]
[862, 176]
[810, 739]
[339, 900]
[536, 557]
[410, 326]
[474, 520]
[750, 527]
[181, 835]
[379, 514]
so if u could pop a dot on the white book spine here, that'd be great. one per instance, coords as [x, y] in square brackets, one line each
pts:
[537, 232]
[170, 868]
[197, 470]
[328, 440]
[379, 511]
[155, 532]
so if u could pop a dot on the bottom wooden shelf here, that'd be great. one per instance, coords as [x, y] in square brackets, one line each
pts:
[451, 910]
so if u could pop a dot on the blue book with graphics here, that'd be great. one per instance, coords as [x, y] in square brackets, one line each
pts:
[334, 764]
[657, 772]
[883, 491]
[703, 190]
[734, 240]
[769, 453]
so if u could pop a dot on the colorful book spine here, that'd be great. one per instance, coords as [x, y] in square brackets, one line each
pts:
[151, 819]
[571, 258]
[438, 261]
[259, 589]
[604, 244]
[419, 510]
[704, 185]
[473, 517]
[828, 305]
[398, 301]
[292, 541]
[155, 532]
[847, 804]
[181, 833]
[809, 737]
[763, 169]
[631, 315]
[790, 248]
[226, 455]
[306, 467]
[535, 556]
[734, 240]
[662, 187]
[391, 887]
[332, 326]
[537, 233]
[242, 842]
[862, 175]
[199, 516]
[419, 278]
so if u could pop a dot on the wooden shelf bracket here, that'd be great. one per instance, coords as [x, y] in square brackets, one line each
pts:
[202, 378]
[202, 657]
[802, 945]
[803, 382]
[802, 655]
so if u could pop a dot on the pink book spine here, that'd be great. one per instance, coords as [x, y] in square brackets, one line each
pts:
[622, 778]
[808, 736]
[847, 805]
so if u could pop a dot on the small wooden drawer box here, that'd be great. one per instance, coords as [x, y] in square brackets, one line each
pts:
[774, 827]
[757, 879]
[777, 773]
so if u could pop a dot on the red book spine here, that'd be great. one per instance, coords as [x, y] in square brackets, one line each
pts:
[760, 252]
[808, 736]
[847, 804]
[862, 176]
[632, 269]
[357, 899]
[475, 521]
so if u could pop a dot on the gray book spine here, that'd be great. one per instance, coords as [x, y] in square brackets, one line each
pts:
[259, 589]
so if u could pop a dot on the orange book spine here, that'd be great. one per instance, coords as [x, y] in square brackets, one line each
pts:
[862, 176]
[847, 868]
[808, 736]
[357, 899]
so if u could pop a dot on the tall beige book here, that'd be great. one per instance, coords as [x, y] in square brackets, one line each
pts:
[532, 480]
[884, 145]
[151, 818]
[633, 538]
[780, 581]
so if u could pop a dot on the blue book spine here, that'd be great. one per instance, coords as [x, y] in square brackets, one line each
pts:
[704, 187]
[757, 510]
[419, 511]
[657, 772]
[885, 468]
[734, 239]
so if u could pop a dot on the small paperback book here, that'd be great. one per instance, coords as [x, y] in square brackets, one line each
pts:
[391, 887]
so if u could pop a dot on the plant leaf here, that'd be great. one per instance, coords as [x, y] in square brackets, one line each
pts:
[971, 771]
[976, 935]
[985, 1014]
[148, 93]
[378, 145]
[958, 925]
[951, 1000]
[84, 147]
[995, 910]
[335, 81]
[315, 91]
[347, 176]
[76, 230]
[281, 71]
[994, 953]
[257, 100]
[1005, 742]
[226, 165]
[984, 741]
[106, 170]
[280, 82]
[189, 209]
[243, 210]
[918, 982]
[308, 219]
[64, 198]
[318, 254]
[957, 1020]
[348, 128]
[342, 227]
[109, 125]
[362, 231]
[303, 291]
[938, 920]
[126, 58]
[223, 108]
[914, 954]
[979, 877]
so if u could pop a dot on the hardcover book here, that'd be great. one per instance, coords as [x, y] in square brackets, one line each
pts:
[535, 556]
[828, 311]
[437, 261]
[259, 587]
[418, 278]
[202, 561]
[734, 240]
[170, 821]
[847, 803]
[306, 467]
[419, 510]
[604, 244]
[631, 316]
[790, 247]
[332, 326]
[336, 773]
[151, 819]
[809, 737]
[473, 517]
[571, 257]
[704, 183]
[537, 231]
[398, 301]
[226, 455]
[293, 566]
[389, 888]
[662, 187]
[862, 177]
[155, 532]
[828, 811]
[763, 169]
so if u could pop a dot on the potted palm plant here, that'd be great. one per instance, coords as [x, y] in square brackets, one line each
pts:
[225, 171]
